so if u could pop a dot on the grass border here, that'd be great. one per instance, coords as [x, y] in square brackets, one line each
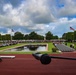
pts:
[50, 46]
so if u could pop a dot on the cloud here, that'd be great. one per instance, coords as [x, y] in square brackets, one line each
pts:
[61, 26]
[38, 15]
[35, 11]
[33, 15]
[69, 8]
[39, 12]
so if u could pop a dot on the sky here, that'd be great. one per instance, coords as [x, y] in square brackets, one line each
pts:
[40, 16]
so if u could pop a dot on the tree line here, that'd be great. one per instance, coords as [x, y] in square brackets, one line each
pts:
[31, 36]
[69, 36]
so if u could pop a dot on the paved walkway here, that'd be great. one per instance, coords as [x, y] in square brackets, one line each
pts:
[64, 48]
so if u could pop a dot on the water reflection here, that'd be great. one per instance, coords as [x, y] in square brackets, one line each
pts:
[28, 49]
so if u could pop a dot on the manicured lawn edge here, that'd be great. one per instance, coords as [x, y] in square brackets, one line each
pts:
[50, 46]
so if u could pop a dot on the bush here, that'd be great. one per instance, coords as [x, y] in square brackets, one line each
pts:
[54, 49]
[65, 43]
[71, 46]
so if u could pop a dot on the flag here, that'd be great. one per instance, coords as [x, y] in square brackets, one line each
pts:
[72, 29]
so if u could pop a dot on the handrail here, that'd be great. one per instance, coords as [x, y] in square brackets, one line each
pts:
[46, 59]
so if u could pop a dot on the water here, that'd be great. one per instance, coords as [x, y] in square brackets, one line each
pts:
[26, 49]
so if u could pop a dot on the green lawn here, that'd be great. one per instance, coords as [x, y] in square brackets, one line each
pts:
[68, 44]
[11, 46]
[50, 46]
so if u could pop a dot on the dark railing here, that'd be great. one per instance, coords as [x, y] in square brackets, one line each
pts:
[46, 59]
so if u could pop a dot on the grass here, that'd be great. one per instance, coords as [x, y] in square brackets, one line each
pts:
[50, 46]
[11, 46]
[68, 44]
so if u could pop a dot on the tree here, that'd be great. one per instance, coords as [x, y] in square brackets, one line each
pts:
[64, 36]
[0, 37]
[40, 37]
[18, 36]
[74, 35]
[70, 36]
[26, 37]
[55, 37]
[8, 37]
[33, 35]
[49, 35]
[3, 37]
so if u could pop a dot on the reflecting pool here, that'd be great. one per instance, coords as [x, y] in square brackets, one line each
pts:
[28, 48]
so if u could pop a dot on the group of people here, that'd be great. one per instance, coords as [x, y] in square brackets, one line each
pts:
[7, 44]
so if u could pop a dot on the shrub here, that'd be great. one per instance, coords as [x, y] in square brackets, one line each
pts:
[54, 49]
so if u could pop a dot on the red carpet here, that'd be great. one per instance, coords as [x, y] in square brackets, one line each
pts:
[28, 65]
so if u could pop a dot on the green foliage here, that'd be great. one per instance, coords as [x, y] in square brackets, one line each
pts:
[26, 37]
[0, 37]
[11, 46]
[64, 36]
[6, 37]
[74, 35]
[49, 35]
[18, 36]
[54, 49]
[33, 36]
[50, 46]
[68, 44]
[69, 36]
[55, 37]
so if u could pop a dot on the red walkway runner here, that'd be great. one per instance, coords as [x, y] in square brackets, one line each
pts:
[27, 65]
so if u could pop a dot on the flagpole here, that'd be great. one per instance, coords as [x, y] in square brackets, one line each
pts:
[11, 35]
[11, 30]
[73, 32]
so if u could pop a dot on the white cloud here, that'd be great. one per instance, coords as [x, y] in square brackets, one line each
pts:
[7, 8]
[29, 12]
[33, 15]
[69, 8]
[61, 26]
[40, 15]
[9, 31]
[2, 33]
[62, 20]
